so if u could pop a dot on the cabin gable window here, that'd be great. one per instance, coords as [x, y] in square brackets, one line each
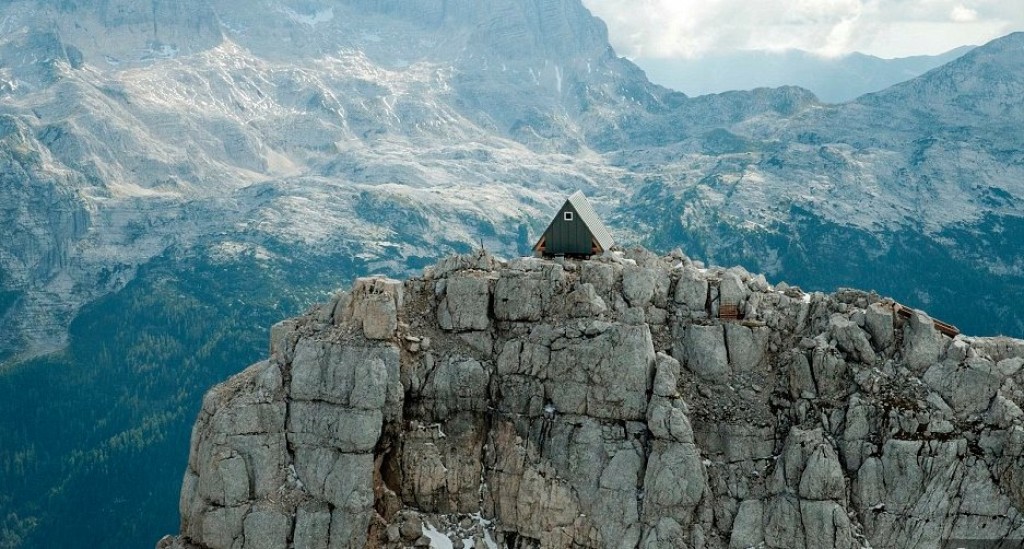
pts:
[567, 216]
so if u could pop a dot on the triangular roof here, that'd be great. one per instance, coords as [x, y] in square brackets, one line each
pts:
[599, 233]
[589, 216]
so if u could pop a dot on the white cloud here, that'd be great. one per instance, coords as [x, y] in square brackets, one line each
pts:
[889, 28]
[963, 14]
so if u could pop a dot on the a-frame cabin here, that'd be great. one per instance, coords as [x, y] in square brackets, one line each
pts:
[576, 231]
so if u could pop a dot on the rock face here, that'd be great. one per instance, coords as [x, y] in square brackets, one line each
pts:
[599, 403]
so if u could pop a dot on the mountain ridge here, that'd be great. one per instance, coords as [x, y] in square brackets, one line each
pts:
[596, 103]
[833, 80]
[196, 122]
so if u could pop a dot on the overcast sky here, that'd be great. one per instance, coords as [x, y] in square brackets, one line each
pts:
[886, 28]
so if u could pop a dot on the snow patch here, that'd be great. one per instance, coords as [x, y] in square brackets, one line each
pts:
[437, 539]
[442, 539]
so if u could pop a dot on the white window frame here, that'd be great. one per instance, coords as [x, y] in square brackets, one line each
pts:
[568, 216]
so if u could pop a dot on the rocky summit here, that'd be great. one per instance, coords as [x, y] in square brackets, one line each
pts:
[629, 400]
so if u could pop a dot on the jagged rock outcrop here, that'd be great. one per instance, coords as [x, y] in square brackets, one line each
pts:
[600, 403]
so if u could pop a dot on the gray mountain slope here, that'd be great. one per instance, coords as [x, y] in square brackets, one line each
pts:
[916, 188]
[157, 127]
[203, 118]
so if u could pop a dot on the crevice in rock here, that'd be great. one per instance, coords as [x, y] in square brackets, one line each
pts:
[330, 522]
[814, 372]
[725, 343]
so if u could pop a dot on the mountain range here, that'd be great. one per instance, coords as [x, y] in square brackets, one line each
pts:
[832, 79]
[177, 176]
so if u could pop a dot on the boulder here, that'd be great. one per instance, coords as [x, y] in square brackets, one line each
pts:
[365, 377]
[748, 528]
[520, 298]
[466, 304]
[374, 305]
[850, 339]
[605, 376]
[967, 387]
[666, 534]
[746, 346]
[826, 524]
[283, 337]
[801, 381]
[822, 477]
[643, 286]
[675, 481]
[584, 302]
[312, 526]
[456, 385]
[344, 429]
[638, 285]
[601, 276]
[703, 350]
[732, 290]
[878, 321]
[266, 528]
[692, 290]
[666, 376]
[921, 342]
[831, 373]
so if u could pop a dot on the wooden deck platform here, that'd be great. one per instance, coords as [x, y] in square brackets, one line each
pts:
[944, 327]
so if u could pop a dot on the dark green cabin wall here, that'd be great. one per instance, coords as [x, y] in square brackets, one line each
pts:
[568, 237]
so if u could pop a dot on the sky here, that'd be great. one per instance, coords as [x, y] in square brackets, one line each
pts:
[885, 28]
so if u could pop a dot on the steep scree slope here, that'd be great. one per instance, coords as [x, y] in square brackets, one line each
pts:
[604, 403]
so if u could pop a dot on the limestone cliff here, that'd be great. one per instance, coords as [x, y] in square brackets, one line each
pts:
[605, 403]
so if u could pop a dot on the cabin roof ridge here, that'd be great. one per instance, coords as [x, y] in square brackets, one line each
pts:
[582, 205]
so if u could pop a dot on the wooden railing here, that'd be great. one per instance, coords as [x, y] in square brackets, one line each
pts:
[907, 312]
[729, 311]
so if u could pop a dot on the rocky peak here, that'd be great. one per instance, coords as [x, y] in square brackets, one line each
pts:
[630, 400]
[557, 29]
[986, 83]
[112, 32]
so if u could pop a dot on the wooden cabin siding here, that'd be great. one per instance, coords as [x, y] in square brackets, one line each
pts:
[568, 237]
[582, 236]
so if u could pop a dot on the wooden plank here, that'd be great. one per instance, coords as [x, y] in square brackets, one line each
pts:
[541, 247]
[944, 327]
[905, 312]
[729, 311]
